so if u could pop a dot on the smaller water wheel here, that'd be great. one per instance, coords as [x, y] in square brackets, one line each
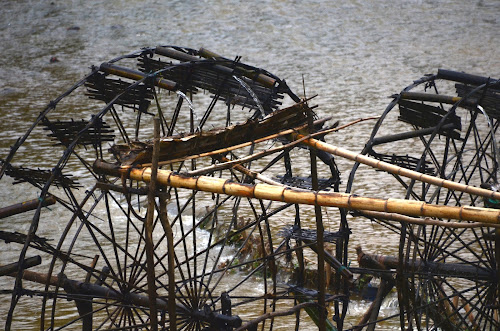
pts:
[446, 272]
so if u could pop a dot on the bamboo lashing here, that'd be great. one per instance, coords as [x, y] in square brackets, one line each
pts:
[321, 198]
[393, 169]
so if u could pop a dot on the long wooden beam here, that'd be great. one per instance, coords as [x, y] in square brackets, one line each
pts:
[289, 195]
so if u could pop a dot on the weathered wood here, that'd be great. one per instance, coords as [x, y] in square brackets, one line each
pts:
[181, 146]
[458, 270]
[322, 198]
[14, 267]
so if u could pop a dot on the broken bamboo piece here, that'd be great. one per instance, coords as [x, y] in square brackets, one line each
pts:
[256, 141]
[396, 170]
[289, 195]
[206, 141]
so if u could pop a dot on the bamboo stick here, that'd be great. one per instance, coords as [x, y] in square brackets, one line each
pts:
[342, 152]
[149, 230]
[252, 174]
[322, 198]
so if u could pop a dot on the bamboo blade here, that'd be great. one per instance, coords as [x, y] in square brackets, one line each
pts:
[322, 198]
[342, 152]
[259, 77]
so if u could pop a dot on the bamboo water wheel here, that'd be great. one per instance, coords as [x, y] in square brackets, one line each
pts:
[447, 276]
[98, 272]
[185, 192]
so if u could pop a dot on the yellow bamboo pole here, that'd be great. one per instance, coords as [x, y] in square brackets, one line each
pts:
[393, 169]
[424, 221]
[289, 195]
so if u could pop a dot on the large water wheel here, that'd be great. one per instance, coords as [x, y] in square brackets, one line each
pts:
[115, 248]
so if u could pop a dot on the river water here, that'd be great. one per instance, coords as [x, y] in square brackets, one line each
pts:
[352, 54]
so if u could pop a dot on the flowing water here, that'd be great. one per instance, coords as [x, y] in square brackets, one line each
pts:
[352, 54]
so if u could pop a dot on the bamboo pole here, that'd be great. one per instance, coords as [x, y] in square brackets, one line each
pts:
[426, 221]
[172, 317]
[319, 235]
[322, 198]
[136, 75]
[342, 152]
[149, 230]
